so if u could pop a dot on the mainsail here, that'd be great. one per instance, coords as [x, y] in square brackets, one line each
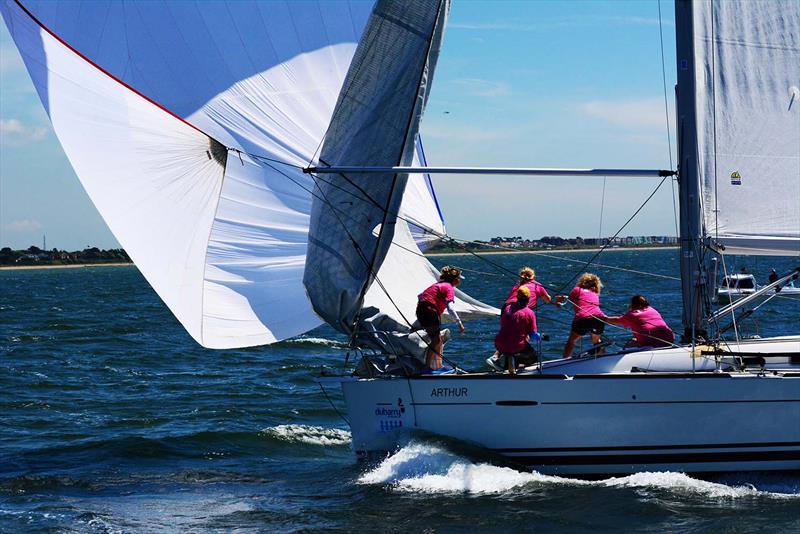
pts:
[747, 76]
[188, 124]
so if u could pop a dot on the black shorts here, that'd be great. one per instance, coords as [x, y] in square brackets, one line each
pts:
[429, 317]
[585, 325]
[527, 356]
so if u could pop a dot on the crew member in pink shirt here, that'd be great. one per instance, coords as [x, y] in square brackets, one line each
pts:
[517, 323]
[649, 328]
[431, 305]
[527, 278]
[589, 318]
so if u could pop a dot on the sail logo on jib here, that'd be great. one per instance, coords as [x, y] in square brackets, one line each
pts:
[736, 178]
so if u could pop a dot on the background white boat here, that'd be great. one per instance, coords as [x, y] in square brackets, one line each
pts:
[740, 285]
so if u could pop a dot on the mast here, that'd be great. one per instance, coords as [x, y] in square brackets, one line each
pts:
[691, 218]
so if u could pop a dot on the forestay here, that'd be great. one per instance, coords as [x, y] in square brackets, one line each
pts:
[747, 71]
[146, 98]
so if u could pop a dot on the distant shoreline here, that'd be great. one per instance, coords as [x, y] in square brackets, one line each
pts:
[487, 252]
[431, 254]
[63, 266]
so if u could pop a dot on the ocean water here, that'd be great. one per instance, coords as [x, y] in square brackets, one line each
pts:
[113, 420]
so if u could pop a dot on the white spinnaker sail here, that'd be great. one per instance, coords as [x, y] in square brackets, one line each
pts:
[136, 91]
[747, 57]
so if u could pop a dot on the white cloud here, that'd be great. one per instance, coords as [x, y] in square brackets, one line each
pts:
[640, 113]
[15, 132]
[480, 87]
[22, 226]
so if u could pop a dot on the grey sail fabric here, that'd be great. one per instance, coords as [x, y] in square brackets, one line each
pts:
[747, 75]
[374, 123]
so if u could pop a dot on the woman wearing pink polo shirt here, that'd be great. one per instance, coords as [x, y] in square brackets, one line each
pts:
[527, 278]
[517, 324]
[649, 328]
[589, 318]
[431, 305]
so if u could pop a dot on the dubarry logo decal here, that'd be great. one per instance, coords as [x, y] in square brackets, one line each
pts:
[736, 178]
[390, 418]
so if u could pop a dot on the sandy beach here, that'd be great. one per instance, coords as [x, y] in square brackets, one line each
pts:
[492, 252]
[69, 266]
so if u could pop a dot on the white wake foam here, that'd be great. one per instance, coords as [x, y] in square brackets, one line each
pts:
[317, 341]
[680, 482]
[427, 468]
[311, 435]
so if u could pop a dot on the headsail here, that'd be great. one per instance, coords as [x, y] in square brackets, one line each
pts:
[375, 123]
[747, 77]
[420, 207]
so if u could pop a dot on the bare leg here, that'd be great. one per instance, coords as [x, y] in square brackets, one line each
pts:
[510, 364]
[595, 340]
[573, 338]
[433, 356]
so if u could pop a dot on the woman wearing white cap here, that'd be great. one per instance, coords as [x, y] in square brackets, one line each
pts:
[432, 303]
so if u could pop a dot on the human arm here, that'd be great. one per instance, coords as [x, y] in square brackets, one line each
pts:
[542, 293]
[452, 311]
[619, 320]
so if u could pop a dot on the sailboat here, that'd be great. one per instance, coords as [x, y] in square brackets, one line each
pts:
[263, 190]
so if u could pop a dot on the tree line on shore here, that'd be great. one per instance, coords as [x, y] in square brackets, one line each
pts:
[35, 256]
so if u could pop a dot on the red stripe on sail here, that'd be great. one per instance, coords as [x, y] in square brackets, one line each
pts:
[104, 71]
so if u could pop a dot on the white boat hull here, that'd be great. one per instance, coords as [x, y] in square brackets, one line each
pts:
[594, 422]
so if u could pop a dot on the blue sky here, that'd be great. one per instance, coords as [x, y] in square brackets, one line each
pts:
[536, 83]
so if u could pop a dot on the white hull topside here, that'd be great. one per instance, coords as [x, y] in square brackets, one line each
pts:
[603, 415]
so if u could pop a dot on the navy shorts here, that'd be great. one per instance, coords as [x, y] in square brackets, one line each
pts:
[585, 325]
[429, 318]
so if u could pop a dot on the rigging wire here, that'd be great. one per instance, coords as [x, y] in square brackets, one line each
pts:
[504, 271]
[461, 243]
[335, 409]
[604, 247]
[338, 213]
[453, 240]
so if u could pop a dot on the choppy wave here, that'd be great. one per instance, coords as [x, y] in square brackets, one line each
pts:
[429, 468]
[310, 435]
[205, 445]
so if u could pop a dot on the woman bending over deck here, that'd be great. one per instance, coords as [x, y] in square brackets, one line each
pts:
[589, 318]
[649, 328]
[517, 326]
